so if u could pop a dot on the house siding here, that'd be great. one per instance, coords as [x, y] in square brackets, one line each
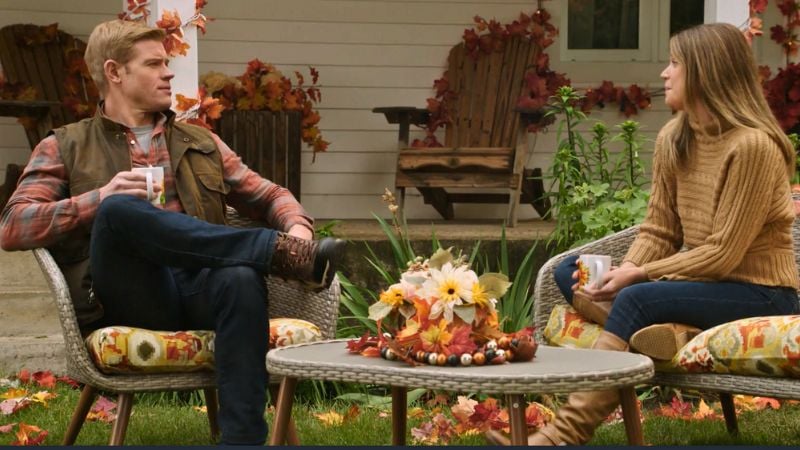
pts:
[369, 53]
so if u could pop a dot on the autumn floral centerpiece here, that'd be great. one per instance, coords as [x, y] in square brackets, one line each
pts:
[442, 313]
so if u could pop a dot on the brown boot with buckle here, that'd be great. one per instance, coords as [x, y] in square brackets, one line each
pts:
[310, 262]
[663, 340]
[583, 412]
[596, 312]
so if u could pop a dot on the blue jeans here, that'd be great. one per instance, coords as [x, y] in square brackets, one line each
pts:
[163, 270]
[700, 304]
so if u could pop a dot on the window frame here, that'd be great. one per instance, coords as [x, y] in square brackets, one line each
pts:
[654, 19]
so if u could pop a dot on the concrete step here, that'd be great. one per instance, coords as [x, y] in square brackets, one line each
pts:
[30, 333]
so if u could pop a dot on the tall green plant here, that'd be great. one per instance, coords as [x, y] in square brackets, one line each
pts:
[514, 308]
[591, 197]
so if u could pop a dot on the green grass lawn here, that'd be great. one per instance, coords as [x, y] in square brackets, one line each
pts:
[172, 420]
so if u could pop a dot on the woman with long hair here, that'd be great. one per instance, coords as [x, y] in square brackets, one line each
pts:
[720, 192]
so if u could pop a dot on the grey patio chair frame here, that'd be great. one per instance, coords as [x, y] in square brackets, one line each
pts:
[285, 300]
[547, 296]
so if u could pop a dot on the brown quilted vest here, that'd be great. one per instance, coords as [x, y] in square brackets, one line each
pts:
[94, 150]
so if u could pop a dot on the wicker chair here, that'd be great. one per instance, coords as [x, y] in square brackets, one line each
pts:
[547, 296]
[285, 300]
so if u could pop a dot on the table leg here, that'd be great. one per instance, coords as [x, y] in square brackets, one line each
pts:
[630, 415]
[516, 413]
[283, 410]
[399, 415]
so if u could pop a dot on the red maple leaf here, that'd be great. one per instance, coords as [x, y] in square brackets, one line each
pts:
[758, 6]
[461, 342]
[357, 346]
[45, 379]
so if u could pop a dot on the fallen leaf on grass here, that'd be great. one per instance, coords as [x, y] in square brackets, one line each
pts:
[676, 409]
[9, 383]
[67, 380]
[43, 396]
[29, 435]
[7, 428]
[14, 394]
[415, 413]
[13, 405]
[705, 412]
[352, 412]
[331, 418]
[750, 403]
[201, 409]
[438, 431]
[43, 378]
[102, 411]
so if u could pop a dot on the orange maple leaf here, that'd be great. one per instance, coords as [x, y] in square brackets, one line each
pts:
[705, 412]
[169, 20]
[29, 435]
[184, 103]
[174, 45]
[764, 402]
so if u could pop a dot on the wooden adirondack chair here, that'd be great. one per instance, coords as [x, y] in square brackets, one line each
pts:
[37, 56]
[486, 144]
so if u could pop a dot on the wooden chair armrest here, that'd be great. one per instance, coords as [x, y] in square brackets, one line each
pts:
[405, 116]
[546, 292]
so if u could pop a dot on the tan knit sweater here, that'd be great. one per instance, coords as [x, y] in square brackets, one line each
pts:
[731, 208]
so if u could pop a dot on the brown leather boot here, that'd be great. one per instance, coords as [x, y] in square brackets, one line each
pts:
[310, 262]
[597, 312]
[577, 419]
[663, 340]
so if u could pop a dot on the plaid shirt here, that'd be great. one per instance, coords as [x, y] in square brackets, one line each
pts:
[41, 212]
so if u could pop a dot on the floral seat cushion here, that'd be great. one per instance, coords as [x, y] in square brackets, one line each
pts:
[759, 346]
[119, 349]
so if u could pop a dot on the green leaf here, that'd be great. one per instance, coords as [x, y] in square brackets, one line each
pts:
[407, 310]
[465, 312]
[495, 284]
[440, 258]
[379, 310]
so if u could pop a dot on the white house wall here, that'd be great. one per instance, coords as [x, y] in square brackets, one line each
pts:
[369, 53]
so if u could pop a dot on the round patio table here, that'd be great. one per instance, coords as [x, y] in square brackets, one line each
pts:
[553, 370]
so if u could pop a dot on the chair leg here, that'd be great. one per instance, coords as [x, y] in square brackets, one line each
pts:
[729, 411]
[292, 437]
[212, 408]
[88, 394]
[124, 406]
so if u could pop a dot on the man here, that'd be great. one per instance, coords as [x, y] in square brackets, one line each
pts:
[172, 266]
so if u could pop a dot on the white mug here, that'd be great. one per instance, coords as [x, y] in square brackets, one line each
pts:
[155, 176]
[591, 269]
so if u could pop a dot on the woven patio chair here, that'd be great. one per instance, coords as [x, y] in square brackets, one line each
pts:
[285, 300]
[547, 296]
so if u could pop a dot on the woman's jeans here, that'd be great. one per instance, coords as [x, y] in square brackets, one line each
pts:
[168, 271]
[700, 304]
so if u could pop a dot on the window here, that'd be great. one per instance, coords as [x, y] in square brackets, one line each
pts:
[624, 30]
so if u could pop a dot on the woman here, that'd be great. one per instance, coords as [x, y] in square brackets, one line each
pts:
[721, 189]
